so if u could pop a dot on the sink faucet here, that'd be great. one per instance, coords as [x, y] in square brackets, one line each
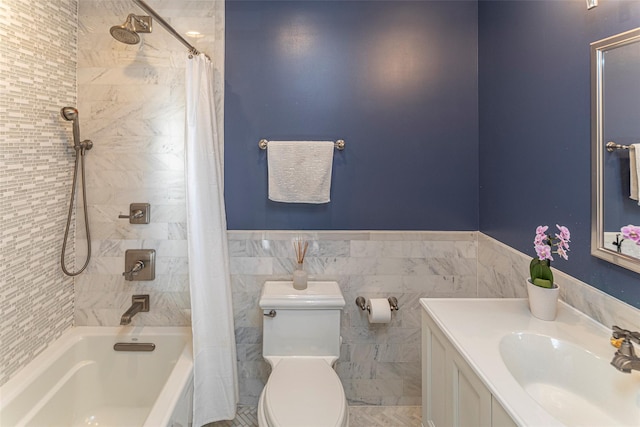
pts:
[139, 303]
[625, 359]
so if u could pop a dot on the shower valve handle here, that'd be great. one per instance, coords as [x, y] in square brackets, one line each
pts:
[137, 267]
[138, 213]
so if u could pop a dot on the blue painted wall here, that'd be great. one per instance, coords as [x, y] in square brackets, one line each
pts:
[396, 80]
[534, 104]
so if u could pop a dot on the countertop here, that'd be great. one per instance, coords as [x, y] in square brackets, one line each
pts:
[476, 326]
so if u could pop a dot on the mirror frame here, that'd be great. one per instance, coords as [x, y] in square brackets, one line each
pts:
[598, 149]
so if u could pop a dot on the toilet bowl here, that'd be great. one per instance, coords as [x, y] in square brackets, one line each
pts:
[301, 342]
[303, 392]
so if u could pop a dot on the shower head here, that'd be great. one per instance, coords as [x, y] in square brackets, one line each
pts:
[124, 35]
[128, 32]
[69, 113]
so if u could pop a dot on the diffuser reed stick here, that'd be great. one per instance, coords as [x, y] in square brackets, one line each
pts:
[300, 247]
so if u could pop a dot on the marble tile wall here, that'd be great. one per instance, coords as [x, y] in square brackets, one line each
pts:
[37, 78]
[379, 364]
[131, 103]
[503, 271]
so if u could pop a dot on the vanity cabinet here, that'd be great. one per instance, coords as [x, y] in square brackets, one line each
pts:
[452, 394]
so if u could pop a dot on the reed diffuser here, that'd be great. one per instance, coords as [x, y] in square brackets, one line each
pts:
[300, 247]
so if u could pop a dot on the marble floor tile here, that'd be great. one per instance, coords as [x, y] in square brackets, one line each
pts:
[359, 416]
[385, 416]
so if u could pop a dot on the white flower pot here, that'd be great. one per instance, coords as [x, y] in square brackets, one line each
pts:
[543, 302]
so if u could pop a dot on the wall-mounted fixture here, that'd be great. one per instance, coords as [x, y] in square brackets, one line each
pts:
[362, 303]
[591, 4]
[139, 264]
[71, 114]
[263, 144]
[379, 309]
[139, 304]
[139, 213]
[128, 32]
[614, 130]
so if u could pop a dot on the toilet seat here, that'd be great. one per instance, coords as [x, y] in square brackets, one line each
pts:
[304, 392]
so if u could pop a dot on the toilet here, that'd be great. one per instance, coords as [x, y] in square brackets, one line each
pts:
[301, 342]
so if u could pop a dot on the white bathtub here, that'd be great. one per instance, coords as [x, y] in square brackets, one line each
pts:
[80, 380]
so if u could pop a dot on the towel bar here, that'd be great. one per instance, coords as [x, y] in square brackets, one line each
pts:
[339, 144]
[612, 146]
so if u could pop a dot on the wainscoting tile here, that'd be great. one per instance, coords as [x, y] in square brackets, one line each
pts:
[379, 362]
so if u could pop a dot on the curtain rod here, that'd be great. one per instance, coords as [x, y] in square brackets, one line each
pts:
[166, 26]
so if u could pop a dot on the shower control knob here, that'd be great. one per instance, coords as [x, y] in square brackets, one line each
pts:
[139, 213]
[135, 214]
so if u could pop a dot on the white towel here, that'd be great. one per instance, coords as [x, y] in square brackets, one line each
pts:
[634, 168]
[300, 171]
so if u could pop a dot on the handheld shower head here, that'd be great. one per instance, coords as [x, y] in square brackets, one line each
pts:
[69, 113]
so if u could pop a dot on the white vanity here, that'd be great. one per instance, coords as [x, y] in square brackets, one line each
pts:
[488, 362]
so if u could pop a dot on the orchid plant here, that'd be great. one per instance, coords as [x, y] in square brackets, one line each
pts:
[546, 246]
[631, 232]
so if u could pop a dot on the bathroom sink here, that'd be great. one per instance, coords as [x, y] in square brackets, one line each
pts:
[572, 383]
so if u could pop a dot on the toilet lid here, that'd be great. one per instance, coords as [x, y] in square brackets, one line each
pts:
[304, 392]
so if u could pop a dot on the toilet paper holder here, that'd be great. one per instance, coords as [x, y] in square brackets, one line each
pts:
[362, 303]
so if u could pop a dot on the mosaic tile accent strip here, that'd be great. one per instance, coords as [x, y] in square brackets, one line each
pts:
[380, 363]
[37, 78]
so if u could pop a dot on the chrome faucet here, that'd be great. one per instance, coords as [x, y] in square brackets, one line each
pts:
[139, 303]
[137, 266]
[625, 359]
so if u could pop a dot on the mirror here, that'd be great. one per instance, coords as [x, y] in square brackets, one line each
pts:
[615, 126]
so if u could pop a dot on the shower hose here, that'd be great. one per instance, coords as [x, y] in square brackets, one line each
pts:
[79, 161]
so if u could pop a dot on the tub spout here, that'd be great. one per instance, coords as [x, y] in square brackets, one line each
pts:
[139, 303]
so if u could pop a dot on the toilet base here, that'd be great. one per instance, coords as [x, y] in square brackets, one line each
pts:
[262, 419]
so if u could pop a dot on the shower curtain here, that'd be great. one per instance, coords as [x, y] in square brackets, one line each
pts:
[214, 350]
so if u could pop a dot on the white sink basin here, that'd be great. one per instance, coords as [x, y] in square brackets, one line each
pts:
[576, 386]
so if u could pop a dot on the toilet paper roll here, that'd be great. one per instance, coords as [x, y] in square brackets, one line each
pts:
[379, 310]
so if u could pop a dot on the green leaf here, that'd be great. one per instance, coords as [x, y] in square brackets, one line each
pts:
[540, 271]
[543, 283]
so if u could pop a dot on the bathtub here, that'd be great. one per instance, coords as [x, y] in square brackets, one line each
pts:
[80, 380]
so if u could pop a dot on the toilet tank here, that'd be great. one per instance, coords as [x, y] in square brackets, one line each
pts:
[306, 322]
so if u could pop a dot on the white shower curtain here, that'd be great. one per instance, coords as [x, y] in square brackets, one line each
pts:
[214, 350]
